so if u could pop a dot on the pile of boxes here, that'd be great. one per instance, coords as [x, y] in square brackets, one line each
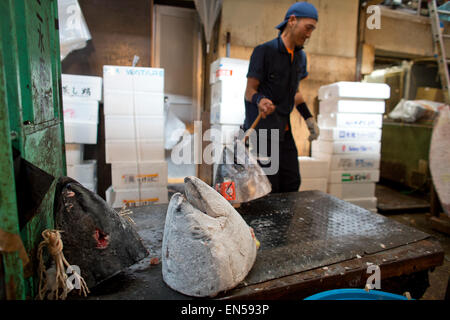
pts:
[81, 97]
[228, 80]
[350, 121]
[134, 135]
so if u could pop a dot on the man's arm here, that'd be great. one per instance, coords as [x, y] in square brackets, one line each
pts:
[306, 114]
[301, 106]
[265, 105]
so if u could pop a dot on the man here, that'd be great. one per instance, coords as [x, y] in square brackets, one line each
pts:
[275, 71]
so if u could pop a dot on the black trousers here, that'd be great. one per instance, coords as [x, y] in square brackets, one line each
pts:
[287, 178]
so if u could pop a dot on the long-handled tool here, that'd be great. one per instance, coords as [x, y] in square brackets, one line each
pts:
[239, 178]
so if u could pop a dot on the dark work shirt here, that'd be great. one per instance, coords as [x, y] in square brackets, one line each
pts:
[279, 79]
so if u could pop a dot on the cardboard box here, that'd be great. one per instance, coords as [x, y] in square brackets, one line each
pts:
[431, 94]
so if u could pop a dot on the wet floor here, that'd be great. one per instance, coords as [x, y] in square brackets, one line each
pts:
[412, 209]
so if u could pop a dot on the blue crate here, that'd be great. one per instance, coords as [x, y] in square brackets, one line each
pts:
[355, 294]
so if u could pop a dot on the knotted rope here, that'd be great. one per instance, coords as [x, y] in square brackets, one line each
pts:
[59, 281]
[125, 213]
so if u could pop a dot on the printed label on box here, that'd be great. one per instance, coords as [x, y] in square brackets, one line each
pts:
[138, 203]
[141, 178]
[347, 177]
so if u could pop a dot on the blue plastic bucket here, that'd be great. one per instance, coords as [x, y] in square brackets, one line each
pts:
[355, 294]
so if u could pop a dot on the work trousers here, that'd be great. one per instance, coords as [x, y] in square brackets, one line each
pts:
[287, 178]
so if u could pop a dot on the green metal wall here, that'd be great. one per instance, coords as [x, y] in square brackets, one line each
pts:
[30, 121]
[405, 153]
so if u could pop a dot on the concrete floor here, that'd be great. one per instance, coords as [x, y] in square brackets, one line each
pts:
[417, 216]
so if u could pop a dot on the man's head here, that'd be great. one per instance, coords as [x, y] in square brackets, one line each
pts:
[300, 21]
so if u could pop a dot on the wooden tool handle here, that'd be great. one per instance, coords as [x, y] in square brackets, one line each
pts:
[249, 131]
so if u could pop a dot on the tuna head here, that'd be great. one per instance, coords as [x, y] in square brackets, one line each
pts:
[207, 246]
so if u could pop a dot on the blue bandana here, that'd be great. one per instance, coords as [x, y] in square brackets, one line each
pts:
[300, 10]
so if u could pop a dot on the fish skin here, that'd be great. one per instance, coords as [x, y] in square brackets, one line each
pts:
[207, 246]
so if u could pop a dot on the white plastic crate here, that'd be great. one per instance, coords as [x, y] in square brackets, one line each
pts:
[128, 103]
[133, 79]
[354, 176]
[370, 161]
[356, 90]
[134, 127]
[74, 153]
[80, 132]
[228, 113]
[134, 151]
[339, 134]
[351, 190]
[78, 110]
[117, 198]
[352, 106]
[85, 172]
[319, 184]
[84, 87]
[228, 68]
[228, 91]
[366, 203]
[350, 120]
[130, 176]
[313, 168]
[224, 134]
[345, 147]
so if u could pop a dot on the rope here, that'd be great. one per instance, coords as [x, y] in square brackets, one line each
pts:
[125, 213]
[52, 240]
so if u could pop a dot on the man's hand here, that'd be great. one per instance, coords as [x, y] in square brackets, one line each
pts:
[313, 129]
[266, 107]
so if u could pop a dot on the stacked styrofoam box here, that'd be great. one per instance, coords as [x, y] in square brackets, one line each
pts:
[228, 79]
[81, 96]
[314, 173]
[134, 135]
[350, 121]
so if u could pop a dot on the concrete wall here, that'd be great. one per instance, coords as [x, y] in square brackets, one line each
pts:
[331, 50]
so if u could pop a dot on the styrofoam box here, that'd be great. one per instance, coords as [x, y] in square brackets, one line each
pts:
[336, 134]
[354, 176]
[345, 147]
[352, 106]
[85, 172]
[366, 203]
[224, 134]
[228, 91]
[314, 184]
[134, 127]
[74, 153]
[313, 168]
[80, 132]
[226, 68]
[133, 79]
[80, 110]
[85, 87]
[228, 113]
[351, 190]
[369, 161]
[361, 90]
[350, 120]
[127, 103]
[117, 198]
[134, 151]
[129, 176]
